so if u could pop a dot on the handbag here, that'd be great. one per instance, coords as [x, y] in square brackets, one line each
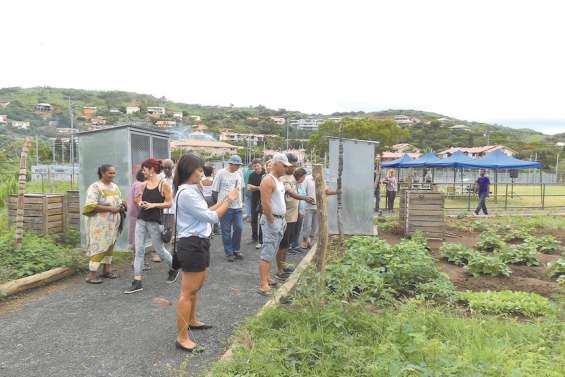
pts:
[176, 262]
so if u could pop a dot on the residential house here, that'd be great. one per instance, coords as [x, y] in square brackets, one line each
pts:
[310, 124]
[115, 111]
[461, 127]
[279, 121]
[177, 114]
[3, 119]
[132, 109]
[88, 111]
[155, 111]
[165, 123]
[254, 139]
[334, 119]
[4, 103]
[195, 118]
[21, 124]
[391, 156]
[43, 108]
[404, 148]
[98, 121]
[96, 127]
[405, 119]
[214, 148]
[476, 152]
[444, 120]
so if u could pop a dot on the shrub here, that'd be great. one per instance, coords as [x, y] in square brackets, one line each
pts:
[520, 254]
[489, 241]
[508, 303]
[456, 253]
[487, 265]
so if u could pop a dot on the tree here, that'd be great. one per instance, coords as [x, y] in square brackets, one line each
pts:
[385, 131]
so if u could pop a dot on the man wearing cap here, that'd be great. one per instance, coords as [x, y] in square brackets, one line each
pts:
[292, 199]
[273, 220]
[226, 181]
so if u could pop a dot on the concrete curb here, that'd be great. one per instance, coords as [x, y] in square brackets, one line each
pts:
[23, 284]
[279, 294]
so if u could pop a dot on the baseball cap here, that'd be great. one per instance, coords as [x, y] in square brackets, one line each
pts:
[235, 160]
[292, 158]
[281, 157]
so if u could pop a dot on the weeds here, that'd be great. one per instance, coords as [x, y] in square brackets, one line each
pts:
[520, 254]
[489, 241]
[456, 253]
[487, 265]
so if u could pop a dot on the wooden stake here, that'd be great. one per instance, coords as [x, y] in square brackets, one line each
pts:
[339, 194]
[322, 203]
[21, 192]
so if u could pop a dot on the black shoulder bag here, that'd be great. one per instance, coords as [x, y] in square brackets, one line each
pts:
[166, 229]
[176, 262]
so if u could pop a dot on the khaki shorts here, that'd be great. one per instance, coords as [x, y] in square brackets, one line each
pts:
[272, 236]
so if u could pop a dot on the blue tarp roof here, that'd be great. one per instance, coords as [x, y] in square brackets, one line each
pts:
[422, 161]
[398, 163]
[497, 159]
[459, 160]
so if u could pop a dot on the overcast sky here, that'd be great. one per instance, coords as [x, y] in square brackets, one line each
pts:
[475, 60]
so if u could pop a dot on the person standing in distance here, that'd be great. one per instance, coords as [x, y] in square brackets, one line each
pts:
[272, 222]
[253, 186]
[482, 187]
[168, 217]
[291, 198]
[226, 181]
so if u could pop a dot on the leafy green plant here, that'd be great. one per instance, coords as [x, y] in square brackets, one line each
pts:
[556, 269]
[456, 253]
[489, 241]
[508, 303]
[373, 266]
[520, 254]
[516, 234]
[487, 265]
[547, 244]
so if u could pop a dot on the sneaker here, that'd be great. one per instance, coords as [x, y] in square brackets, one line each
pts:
[281, 277]
[258, 246]
[288, 270]
[231, 258]
[172, 276]
[136, 286]
[238, 255]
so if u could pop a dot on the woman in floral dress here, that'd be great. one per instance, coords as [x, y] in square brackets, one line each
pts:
[102, 207]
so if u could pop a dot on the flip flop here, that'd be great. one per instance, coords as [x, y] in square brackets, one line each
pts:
[109, 275]
[266, 293]
[94, 281]
[185, 349]
[201, 327]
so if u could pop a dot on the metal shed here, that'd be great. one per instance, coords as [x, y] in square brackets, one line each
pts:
[357, 185]
[125, 147]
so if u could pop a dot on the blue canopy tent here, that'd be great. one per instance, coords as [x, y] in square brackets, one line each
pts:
[500, 160]
[423, 161]
[398, 163]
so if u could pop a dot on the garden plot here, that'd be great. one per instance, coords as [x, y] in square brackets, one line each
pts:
[497, 254]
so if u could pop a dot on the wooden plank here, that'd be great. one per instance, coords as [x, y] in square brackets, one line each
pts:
[58, 217]
[55, 224]
[19, 285]
[425, 212]
[321, 200]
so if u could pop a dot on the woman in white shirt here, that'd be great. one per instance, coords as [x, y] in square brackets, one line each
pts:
[194, 226]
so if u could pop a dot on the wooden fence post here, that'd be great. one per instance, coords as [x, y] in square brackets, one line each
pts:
[322, 203]
[21, 192]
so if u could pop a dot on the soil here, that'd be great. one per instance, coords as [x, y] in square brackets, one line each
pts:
[523, 278]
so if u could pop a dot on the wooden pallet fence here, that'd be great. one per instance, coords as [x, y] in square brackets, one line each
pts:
[72, 210]
[43, 213]
[423, 211]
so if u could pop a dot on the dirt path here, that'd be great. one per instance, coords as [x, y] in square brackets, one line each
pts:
[75, 329]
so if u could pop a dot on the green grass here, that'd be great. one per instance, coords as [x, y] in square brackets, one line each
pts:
[412, 339]
[508, 303]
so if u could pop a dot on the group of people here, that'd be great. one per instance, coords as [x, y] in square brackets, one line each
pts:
[179, 208]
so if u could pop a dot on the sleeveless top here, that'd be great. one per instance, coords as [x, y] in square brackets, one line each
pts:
[278, 204]
[152, 196]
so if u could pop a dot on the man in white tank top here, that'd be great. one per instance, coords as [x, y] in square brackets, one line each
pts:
[272, 221]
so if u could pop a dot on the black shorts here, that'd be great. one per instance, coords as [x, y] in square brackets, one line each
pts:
[288, 234]
[193, 254]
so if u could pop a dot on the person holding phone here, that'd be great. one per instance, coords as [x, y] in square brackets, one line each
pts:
[194, 222]
[227, 180]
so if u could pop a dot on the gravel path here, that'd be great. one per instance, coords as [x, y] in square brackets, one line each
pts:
[75, 329]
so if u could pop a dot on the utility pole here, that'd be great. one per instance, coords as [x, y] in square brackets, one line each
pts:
[53, 151]
[72, 141]
[36, 150]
